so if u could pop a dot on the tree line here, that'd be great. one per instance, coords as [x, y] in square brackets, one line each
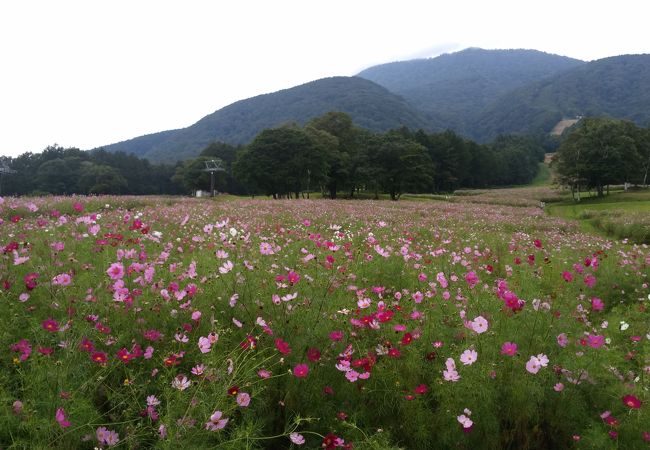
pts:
[63, 171]
[332, 156]
[328, 155]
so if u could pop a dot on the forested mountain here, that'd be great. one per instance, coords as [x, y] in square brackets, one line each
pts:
[479, 94]
[371, 106]
[141, 145]
[617, 87]
[452, 90]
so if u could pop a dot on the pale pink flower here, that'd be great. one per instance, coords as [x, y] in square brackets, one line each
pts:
[535, 363]
[204, 344]
[216, 422]
[468, 357]
[198, 370]
[62, 279]
[480, 325]
[450, 374]
[180, 382]
[266, 248]
[465, 421]
[226, 267]
[297, 438]
[243, 399]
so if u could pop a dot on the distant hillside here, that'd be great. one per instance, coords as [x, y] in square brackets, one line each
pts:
[370, 106]
[140, 146]
[453, 89]
[616, 87]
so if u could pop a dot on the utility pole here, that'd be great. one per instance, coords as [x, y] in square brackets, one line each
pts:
[213, 166]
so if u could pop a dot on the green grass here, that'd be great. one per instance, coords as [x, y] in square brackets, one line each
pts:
[543, 176]
[621, 215]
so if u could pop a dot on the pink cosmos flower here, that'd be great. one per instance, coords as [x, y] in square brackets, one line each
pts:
[535, 363]
[107, 437]
[313, 354]
[293, 277]
[468, 357]
[465, 421]
[480, 325]
[568, 276]
[450, 374]
[301, 371]
[116, 271]
[282, 346]
[472, 279]
[297, 438]
[62, 279]
[421, 389]
[216, 422]
[61, 419]
[198, 370]
[509, 349]
[595, 341]
[336, 335]
[50, 325]
[99, 357]
[266, 248]
[590, 280]
[180, 382]
[243, 399]
[562, 340]
[204, 344]
[597, 304]
[632, 401]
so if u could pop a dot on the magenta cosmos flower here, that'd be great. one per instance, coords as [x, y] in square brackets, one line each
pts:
[632, 401]
[509, 349]
[115, 271]
[301, 371]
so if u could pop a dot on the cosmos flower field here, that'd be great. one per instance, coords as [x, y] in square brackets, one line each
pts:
[138, 322]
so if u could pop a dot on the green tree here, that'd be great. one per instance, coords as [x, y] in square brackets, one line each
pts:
[342, 152]
[400, 164]
[283, 162]
[101, 179]
[598, 153]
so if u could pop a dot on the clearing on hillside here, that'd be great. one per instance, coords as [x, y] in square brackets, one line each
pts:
[562, 125]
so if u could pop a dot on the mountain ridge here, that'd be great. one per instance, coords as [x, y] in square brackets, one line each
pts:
[478, 93]
[370, 105]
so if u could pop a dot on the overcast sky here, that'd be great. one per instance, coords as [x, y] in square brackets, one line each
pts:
[87, 73]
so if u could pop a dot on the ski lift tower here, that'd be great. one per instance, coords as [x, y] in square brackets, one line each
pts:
[213, 166]
[4, 170]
